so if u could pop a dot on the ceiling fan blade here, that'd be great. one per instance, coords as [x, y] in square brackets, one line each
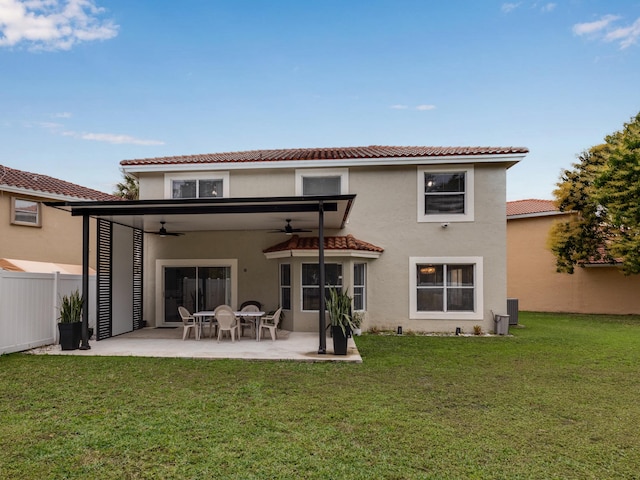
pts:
[288, 229]
[164, 233]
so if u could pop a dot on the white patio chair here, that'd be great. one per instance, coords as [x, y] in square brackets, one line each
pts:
[227, 321]
[271, 322]
[248, 322]
[188, 323]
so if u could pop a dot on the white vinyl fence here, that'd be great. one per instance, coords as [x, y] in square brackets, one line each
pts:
[29, 305]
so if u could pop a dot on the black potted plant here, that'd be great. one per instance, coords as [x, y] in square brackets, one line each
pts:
[339, 308]
[70, 321]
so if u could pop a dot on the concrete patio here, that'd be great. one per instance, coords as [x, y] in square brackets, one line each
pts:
[167, 342]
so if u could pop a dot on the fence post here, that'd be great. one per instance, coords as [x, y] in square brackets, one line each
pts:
[56, 290]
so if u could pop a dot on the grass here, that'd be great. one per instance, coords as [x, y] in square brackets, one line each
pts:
[558, 399]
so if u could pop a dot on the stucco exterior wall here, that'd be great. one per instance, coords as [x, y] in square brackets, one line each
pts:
[533, 280]
[384, 213]
[57, 240]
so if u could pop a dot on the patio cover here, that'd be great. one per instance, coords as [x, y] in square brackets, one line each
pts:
[207, 214]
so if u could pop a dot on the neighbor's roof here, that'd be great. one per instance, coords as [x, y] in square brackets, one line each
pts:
[341, 153]
[532, 208]
[342, 244]
[43, 185]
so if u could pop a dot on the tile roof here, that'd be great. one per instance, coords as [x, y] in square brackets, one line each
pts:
[341, 153]
[348, 242]
[10, 177]
[531, 206]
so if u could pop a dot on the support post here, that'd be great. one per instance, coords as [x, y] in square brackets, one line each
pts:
[85, 283]
[321, 314]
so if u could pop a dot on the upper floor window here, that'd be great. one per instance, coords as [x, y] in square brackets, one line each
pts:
[25, 212]
[445, 194]
[197, 185]
[322, 181]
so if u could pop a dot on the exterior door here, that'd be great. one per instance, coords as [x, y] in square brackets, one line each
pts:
[195, 288]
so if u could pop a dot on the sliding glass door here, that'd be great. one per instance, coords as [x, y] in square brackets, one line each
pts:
[196, 288]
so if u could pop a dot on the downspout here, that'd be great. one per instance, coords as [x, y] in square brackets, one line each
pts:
[85, 283]
[321, 315]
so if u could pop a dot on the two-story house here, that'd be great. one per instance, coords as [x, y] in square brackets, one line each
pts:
[416, 234]
[36, 238]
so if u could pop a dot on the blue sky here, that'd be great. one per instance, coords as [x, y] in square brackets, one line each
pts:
[87, 83]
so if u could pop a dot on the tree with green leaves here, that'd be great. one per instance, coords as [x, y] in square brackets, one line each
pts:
[129, 188]
[603, 191]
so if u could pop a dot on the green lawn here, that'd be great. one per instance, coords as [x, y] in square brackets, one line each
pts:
[558, 399]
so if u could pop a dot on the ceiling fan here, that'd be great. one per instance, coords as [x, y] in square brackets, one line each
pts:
[288, 229]
[164, 233]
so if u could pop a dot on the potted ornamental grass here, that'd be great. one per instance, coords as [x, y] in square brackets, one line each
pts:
[339, 309]
[70, 321]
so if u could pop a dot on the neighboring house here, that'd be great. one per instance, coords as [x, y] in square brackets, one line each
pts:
[34, 237]
[416, 234]
[596, 287]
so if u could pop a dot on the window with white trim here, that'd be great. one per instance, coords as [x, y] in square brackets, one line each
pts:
[445, 194]
[197, 185]
[311, 283]
[359, 286]
[322, 181]
[285, 286]
[25, 212]
[446, 287]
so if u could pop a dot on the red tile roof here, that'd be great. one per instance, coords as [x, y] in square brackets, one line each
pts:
[10, 177]
[341, 153]
[530, 206]
[348, 242]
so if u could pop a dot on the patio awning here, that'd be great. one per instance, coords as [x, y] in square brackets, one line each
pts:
[206, 214]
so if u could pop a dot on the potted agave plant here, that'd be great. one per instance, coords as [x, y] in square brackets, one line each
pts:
[70, 321]
[339, 308]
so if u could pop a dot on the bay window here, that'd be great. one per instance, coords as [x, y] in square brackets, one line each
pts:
[311, 283]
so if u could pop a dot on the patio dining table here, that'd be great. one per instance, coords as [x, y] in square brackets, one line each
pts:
[254, 316]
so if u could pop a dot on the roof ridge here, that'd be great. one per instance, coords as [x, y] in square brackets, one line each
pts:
[327, 153]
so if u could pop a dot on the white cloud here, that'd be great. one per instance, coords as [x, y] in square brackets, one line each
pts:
[117, 139]
[52, 24]
[62, 115]
[590, 28]
[549, 7]
[51, 125]
[423, 107]
[627, 36]
[603, 28]
[509, 7]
